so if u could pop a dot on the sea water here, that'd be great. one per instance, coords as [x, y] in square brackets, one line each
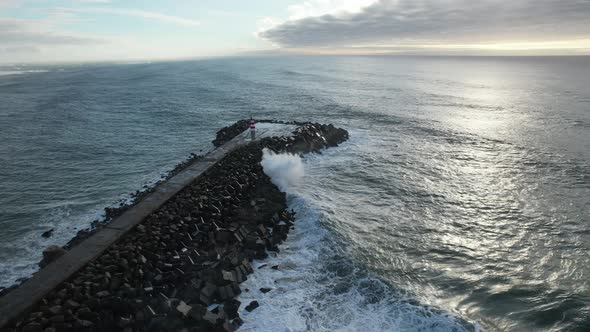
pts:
[461, 201]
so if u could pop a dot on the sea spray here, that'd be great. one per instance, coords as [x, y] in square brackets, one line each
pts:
[284, 169]
[316, 285]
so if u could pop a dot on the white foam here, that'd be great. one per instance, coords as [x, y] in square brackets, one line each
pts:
[316, 287]
[279, 306]
[21, 72]
[29, 247]
[307, 297]
[284, 169]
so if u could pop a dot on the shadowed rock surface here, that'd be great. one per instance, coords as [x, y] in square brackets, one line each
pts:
[225, 134]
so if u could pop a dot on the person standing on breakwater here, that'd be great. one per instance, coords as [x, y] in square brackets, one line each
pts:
[252, 128]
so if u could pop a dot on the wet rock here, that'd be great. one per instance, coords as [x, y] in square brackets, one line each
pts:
[226, 134]
[265, 290]
[224, 236]
[253, 305]
[47, 234]
[83, 313]
[209, 289]
[229, 275]
[102, 294]
[124, 322]
[211, 317]
[71, 304]
[55, 310]
[50, 254]
[235, 323]
[124, 264]
[231, 308]
[115, 283]
[83, 324]
[183, 308]
[197, 311]
[33, 327]
[36, 316]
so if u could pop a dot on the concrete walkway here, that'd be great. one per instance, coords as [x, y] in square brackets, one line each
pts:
[22, 299]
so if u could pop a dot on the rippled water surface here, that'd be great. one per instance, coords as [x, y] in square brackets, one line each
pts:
[461, 201]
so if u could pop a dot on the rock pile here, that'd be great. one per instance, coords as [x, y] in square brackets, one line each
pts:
[180, 269]
[320, 136]
[226, 134]
[310, 137]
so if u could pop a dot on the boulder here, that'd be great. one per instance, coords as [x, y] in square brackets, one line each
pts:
[102, 294]
[47, 234]
[33, 327]
[55, 310]
[253, 305]
[183, 308]
[50, 254]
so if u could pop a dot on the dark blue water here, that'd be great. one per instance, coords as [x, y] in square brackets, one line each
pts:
[461, 201]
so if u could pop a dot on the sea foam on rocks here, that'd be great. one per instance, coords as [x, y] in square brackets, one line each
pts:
[284, 169]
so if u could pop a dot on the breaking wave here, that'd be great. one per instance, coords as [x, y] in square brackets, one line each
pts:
[284, 169]
[315, 284]
[316, 288]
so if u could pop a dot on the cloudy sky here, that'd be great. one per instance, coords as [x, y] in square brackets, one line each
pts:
[91, 30]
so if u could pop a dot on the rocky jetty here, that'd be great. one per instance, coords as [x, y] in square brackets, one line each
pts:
[180, 269]
[226, 134]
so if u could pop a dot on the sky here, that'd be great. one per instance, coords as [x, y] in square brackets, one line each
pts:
[128, 30]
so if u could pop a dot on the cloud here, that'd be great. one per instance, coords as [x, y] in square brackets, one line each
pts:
[25, 33]
[9, 3]
[436, 22]
[266, 23]
[20, 50]
[49, 39]
[136, 13]
[314, 8]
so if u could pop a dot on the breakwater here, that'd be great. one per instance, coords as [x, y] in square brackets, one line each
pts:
[181, 266]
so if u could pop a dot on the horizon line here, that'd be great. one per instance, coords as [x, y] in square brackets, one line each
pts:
[271, 53]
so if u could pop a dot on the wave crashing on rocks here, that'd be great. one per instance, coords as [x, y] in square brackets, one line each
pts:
[284, 169]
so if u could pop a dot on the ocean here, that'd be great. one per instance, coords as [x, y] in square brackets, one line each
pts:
[461, 201]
